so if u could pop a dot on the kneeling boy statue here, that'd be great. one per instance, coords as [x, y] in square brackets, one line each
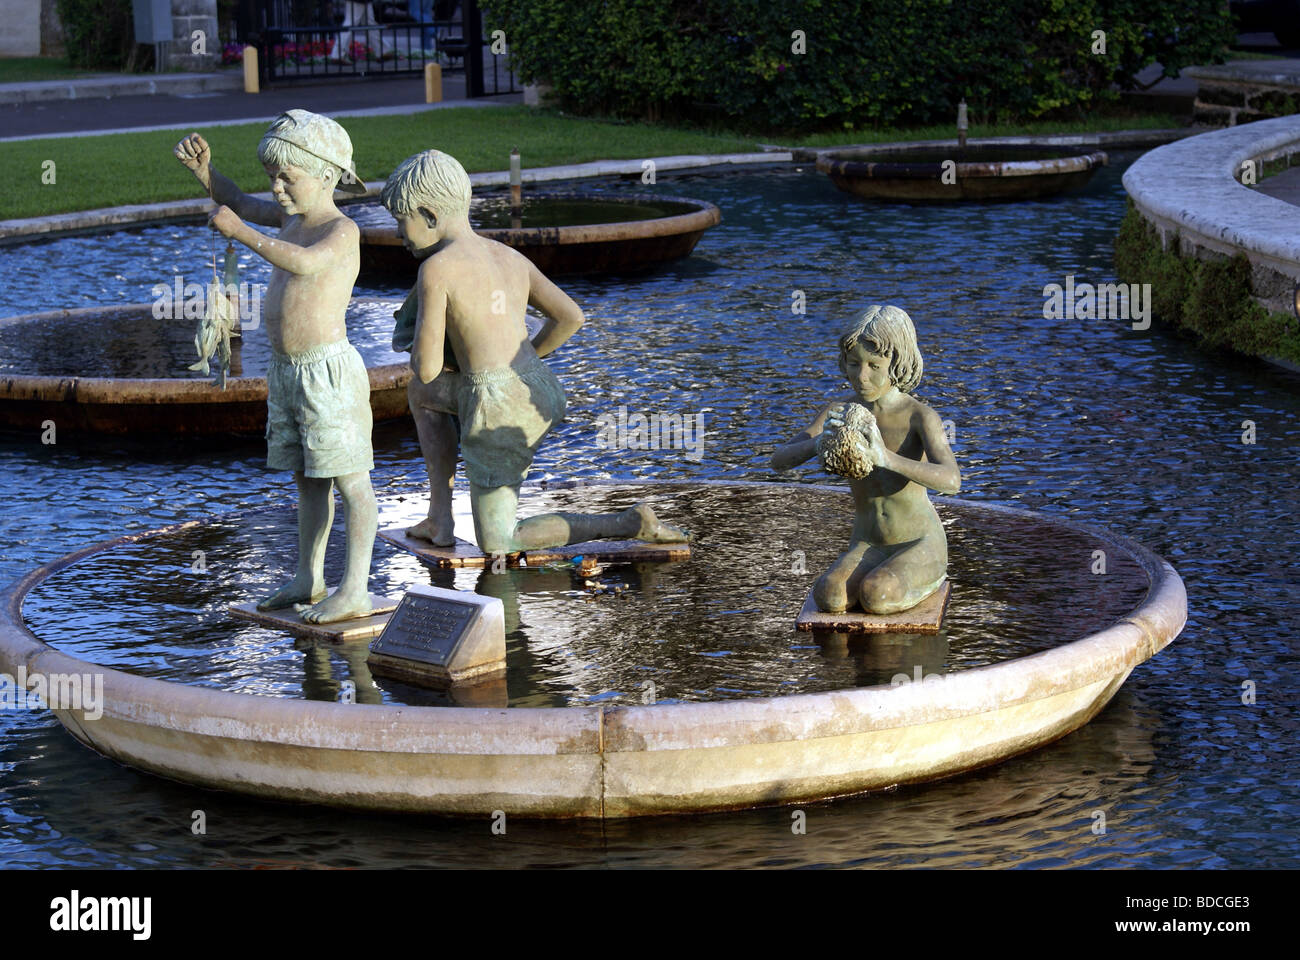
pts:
[471, 298]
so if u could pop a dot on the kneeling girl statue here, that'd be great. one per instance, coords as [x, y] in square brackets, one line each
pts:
[891, 447]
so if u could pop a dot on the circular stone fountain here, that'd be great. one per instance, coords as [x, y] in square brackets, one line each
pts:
[937, 173]
[1033, 646]
[122, 370]
[563, 233]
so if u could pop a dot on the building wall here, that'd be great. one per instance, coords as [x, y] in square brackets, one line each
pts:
[188, 16]
[21, 36]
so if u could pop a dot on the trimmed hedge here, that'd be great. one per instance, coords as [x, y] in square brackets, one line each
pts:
[865, 63]
[1211, 299]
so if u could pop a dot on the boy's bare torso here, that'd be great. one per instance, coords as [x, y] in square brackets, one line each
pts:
[486, 288]
[309, 310]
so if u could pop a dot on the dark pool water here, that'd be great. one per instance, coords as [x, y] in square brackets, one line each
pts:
[1136, 431]
[971, 154]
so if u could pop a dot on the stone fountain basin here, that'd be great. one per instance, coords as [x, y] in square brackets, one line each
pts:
[138, 382]
[561, 232]
[610, 761]
[982, 171]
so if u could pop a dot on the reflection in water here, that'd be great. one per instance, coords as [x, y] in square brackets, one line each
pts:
[319, 681]
[883, 658]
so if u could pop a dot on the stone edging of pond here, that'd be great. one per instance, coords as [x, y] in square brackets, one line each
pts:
[178, 211]
[604, 761]
[1191, 194]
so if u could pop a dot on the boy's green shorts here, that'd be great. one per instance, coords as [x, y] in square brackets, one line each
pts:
[318, 416]
[503, 413]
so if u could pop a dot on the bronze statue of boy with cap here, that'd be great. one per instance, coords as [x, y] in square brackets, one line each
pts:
[318, 400]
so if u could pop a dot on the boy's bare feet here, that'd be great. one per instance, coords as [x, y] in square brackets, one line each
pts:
[295, 591]
[339, 605]
[654, 530]
[440, 534]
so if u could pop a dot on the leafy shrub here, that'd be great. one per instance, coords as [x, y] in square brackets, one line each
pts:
[908, 61]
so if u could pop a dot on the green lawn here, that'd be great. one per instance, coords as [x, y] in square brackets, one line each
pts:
[126, 168]
[31, 69]
[115, 169]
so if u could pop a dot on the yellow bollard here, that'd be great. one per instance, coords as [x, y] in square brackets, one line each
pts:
[432, 83]
[251, 84]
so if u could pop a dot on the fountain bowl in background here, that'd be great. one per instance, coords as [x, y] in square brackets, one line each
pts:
[121, 370]
[562, 233]
[916, 173]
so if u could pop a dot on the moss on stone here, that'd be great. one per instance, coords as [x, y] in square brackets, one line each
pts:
[1211, 299]
[1274, 103]
[1221, 96]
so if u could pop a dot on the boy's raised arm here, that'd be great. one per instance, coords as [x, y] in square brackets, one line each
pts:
[563, 317]
[194, 152]
[304, 261]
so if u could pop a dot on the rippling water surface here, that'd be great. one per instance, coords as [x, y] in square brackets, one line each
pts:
[1136, 431]
[718, 626]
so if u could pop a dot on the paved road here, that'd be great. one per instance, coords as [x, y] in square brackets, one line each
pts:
[335, 97]
[1283, 186]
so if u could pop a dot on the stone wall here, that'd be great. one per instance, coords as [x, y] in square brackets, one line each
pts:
[1230, 95]
[1191, 192]
[21, 36]
[187, 17]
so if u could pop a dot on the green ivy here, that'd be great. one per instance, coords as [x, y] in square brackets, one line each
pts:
[865, 63]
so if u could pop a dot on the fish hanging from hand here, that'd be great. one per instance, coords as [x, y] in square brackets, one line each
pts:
[220, 320]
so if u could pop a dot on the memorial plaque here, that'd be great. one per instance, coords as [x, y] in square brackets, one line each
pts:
[439, 636]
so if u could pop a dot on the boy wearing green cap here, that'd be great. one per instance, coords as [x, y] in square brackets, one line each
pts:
[318, 391]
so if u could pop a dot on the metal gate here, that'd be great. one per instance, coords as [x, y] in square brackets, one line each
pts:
[320, 39]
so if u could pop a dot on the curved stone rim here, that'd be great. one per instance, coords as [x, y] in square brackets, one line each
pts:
[607, 761]
[702, 217]
[126, 392]
[835, 163]
[1191, 188]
